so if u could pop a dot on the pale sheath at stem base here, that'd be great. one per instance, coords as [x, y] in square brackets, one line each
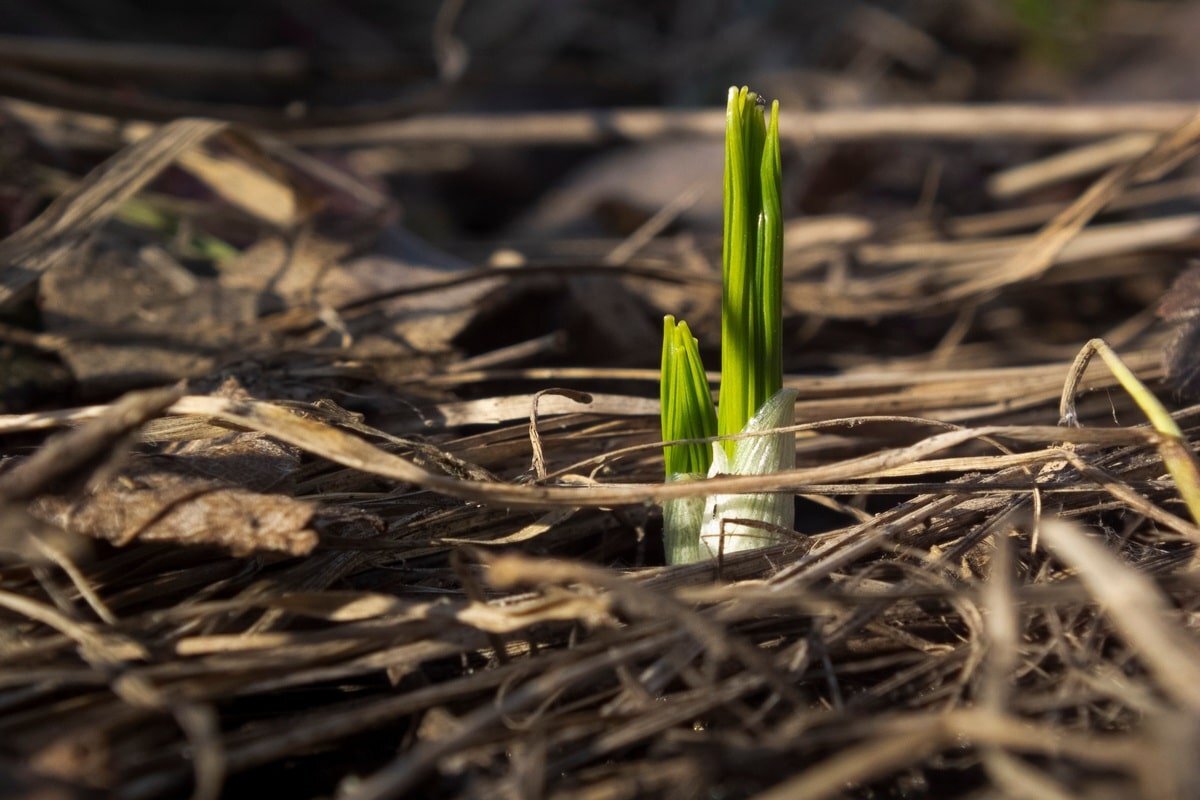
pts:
[701, 528]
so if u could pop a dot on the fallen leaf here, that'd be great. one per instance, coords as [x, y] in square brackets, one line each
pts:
[206, 492]
[138, 319]
[1181, 305]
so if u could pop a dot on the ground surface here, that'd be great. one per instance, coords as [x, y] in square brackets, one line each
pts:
[330, 449]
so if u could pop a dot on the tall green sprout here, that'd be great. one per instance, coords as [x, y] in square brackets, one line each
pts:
[751, 399]
[752, 264]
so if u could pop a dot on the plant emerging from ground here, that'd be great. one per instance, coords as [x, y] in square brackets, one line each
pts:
[752, 398]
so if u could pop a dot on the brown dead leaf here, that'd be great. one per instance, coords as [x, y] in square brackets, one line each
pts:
[1181, 305]
[425, 323]
[283, 273]
[312, 271]
[1182, 300]
[137, 319]
[203, 493]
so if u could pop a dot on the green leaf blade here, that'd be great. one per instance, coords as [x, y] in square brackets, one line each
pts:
[687, 407]
[769, 263]
[750, 329]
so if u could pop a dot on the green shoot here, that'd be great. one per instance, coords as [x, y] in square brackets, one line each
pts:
[687, 406]
[752, 397]
[140, 213]
[752, 264]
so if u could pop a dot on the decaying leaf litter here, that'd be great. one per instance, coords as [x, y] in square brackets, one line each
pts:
[338, 552]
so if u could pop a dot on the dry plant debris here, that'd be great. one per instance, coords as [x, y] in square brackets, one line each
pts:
[351, 561]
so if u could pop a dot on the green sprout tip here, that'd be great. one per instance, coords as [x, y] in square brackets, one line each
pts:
[752, 398]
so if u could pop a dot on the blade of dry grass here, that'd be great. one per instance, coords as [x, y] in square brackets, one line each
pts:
[1177, 455]
[1137, 608]
[926, 122]
[356, 453]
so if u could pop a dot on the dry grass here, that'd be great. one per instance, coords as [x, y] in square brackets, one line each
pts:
[462, 598]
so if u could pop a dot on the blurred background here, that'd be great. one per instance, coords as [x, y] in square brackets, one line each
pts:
[319, 63]
[333, 84]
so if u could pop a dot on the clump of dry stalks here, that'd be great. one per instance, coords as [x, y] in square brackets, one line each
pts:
[464, 601]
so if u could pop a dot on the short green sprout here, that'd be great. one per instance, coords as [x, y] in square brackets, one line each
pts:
[751, 395]
[687, 407]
